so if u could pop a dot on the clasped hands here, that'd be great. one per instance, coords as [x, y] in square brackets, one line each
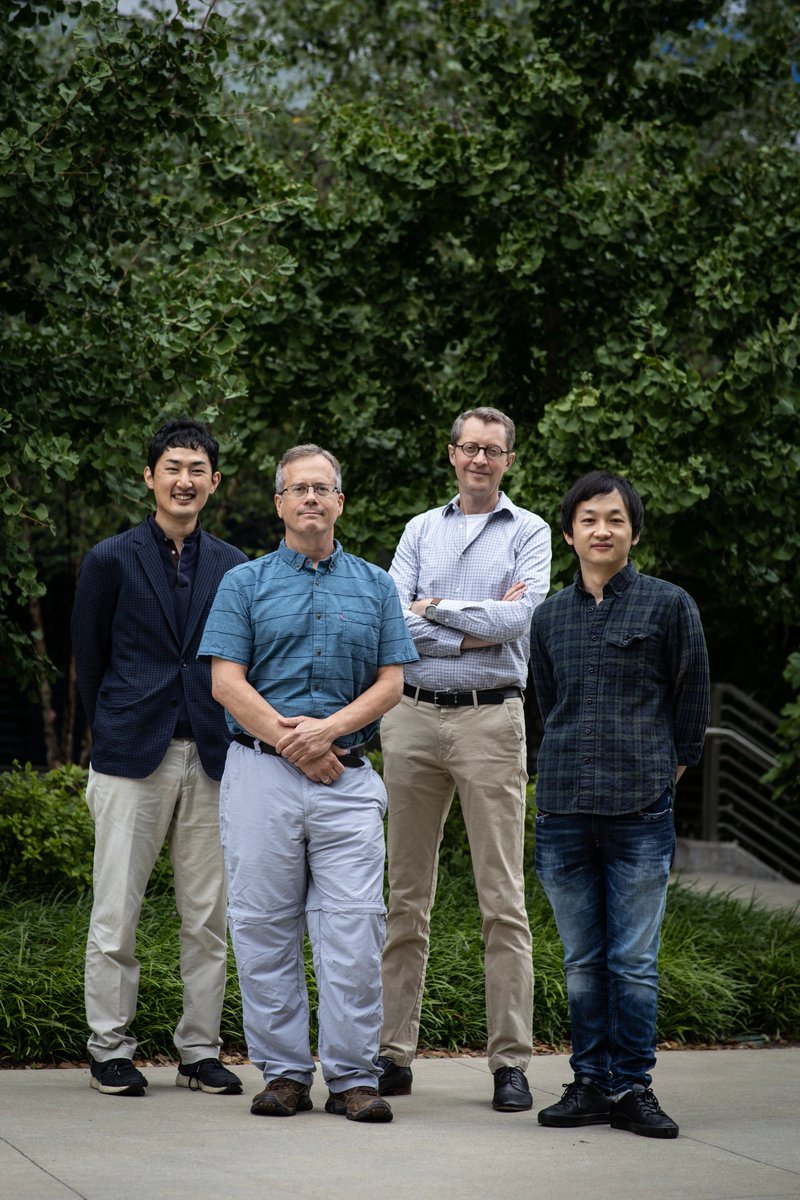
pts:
[308, 745]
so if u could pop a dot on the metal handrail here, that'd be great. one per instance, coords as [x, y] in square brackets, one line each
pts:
[736, 801]
[752, 748]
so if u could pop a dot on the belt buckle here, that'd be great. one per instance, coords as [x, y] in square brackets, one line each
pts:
[445, 699]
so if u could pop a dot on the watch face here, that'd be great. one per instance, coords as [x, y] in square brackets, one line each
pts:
[430, 612]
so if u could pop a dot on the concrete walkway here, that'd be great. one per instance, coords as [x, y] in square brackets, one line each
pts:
[766, 893]
[739, 1112]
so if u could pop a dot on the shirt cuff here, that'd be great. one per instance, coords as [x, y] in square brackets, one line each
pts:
[689, 753]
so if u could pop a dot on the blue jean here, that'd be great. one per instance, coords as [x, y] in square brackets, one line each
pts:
[606, 879]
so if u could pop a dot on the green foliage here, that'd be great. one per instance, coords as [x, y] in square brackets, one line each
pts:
[129, 260]
[346, 222]
[785, 776]
[726, 969]
[46, 833]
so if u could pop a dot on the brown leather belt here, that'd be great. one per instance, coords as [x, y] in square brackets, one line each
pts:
[351, 759]
[462, 699]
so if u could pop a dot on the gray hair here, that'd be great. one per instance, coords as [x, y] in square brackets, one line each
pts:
[487, 415]
[308, 450]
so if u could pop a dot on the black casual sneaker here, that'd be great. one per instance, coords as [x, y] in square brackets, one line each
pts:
[638, 1111]
[117, 1077]
[209, 1075]
[395, 1080]
[511, 1091]
[582, 1104]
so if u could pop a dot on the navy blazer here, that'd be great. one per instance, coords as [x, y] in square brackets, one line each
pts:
[131, 664]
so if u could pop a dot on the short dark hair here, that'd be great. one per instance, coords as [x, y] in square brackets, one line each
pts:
[600, 483]
[186, 433]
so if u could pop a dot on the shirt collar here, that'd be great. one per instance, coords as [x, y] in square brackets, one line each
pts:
[297, 561]
[160, 536]
[617, 584]
[503, 505]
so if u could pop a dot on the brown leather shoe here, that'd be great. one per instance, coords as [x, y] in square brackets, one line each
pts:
[359, 1104]
[282, 1097]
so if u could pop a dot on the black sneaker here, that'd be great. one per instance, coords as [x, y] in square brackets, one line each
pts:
[395, 1080]
[511, 1091]
[117, 1077]
[638, 1111]
[209, 1075]
[582, 1104]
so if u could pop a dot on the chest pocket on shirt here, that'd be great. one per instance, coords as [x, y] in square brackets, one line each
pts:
[361, 632]
[632, 654]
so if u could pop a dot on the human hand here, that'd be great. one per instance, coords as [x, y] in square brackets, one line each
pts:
[325, 769]
[516, 591]
[307, 739]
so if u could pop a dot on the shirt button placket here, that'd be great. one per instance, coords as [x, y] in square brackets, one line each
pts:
[588, 715]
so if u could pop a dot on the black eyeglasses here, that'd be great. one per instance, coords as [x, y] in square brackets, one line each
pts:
[472, 450]
[302, 489]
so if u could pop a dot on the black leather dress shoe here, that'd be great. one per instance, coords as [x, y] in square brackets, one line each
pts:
[395, 1080]
[511, 1091]
[581, 1104]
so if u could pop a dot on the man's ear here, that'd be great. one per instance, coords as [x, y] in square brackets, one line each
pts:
[148, 478]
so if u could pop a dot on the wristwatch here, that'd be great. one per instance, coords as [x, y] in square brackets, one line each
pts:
[430, 610]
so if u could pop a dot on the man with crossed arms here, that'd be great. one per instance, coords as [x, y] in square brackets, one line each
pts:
[469, 576]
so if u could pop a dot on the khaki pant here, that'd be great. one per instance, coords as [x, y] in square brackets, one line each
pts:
[428, 752]
[132, 819]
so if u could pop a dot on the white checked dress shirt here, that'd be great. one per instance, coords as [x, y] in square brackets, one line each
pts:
[435, 557]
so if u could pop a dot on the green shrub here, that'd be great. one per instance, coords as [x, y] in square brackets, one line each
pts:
[46, 833]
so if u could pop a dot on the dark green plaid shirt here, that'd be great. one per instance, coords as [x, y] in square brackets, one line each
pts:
[623, 690]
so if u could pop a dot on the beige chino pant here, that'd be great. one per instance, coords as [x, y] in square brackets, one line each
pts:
[428, 752]
[133, 817]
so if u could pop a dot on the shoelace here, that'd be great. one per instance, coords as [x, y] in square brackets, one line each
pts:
[648, 1099]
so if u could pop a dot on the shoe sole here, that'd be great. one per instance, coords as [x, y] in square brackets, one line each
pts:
[132, 1089]
[394, 1091]
[194, 1085]
[574, 1122]
[375, 1114]
[642, 1130]
[281, 1110]
[512, 1106]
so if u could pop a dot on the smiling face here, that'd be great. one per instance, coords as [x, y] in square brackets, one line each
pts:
[479, 477]
[181, 483]
[602, 535]
[309, 519]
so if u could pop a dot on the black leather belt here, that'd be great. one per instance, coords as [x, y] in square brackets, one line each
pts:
[463, 699]
[351, 759]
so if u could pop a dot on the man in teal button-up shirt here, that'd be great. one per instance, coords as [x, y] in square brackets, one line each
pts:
[307, 651]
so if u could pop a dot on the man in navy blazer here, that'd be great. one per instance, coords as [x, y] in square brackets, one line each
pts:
[159, 742]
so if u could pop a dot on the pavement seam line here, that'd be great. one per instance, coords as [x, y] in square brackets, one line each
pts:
[738, 1154]
[44, 1170]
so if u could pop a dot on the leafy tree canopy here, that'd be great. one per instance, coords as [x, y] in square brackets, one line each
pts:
[345, 222]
